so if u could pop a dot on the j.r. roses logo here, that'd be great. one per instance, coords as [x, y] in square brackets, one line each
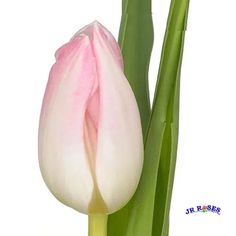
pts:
[203, 209]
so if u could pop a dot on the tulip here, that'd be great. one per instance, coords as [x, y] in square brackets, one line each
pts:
[90, 137]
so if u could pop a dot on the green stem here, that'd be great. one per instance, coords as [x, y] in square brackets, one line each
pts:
[97, 225]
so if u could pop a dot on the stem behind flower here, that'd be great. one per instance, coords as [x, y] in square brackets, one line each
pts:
[97, 225]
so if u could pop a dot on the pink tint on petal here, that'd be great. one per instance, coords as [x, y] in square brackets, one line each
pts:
[69, 102]
[65, 51]
[109, 41]
[65, 59]
[96, 29]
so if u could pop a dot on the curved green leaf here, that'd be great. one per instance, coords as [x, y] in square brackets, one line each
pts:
[136, 41]
[170, 68]
[150, 213]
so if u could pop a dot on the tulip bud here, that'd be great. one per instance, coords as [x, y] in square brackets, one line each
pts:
[90, 137]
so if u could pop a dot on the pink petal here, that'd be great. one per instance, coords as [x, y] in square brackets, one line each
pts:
[63, 156]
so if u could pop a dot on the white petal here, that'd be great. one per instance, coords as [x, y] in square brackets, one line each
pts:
[120, 145]
[62, 155]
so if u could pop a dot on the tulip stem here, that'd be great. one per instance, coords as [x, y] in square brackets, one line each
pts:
[97, 225]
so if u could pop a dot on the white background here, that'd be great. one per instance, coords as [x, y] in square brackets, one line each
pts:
[31, 31]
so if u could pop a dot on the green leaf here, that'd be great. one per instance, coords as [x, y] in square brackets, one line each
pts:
[170, 69]
[151, 203]
[136, 41]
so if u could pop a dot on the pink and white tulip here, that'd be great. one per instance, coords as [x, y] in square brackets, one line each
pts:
[90, 137]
